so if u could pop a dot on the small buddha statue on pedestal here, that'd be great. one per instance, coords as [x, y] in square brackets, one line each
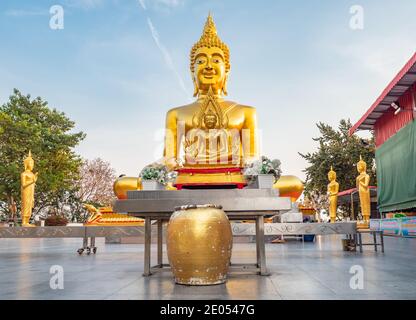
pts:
[212, 137]
[28, 180]
[363, 182]
[333, 188]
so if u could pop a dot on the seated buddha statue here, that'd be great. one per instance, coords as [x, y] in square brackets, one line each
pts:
[212, 138]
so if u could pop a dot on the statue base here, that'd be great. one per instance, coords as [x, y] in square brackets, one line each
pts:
[28, 225]
[204, 178]
[363, 224]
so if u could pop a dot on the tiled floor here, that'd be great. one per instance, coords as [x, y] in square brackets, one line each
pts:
[319, 270]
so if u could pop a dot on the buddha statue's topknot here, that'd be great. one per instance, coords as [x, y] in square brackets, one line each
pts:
[209, 38]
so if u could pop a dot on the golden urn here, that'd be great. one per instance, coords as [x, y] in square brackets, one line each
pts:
[199, 244]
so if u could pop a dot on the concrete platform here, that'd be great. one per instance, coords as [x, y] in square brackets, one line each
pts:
[319, 270]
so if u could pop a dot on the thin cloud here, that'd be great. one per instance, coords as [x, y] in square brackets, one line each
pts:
[166, 56]
[170, 3]
[84, 4]
[162, 4]
[142, 4]
[25, 13]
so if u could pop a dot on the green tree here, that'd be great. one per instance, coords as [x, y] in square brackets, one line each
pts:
[29, 124]
[341, 151]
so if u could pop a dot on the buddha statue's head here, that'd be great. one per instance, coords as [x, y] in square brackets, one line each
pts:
[210, 61]
[28, 162]
[332, 175]
[361, 165]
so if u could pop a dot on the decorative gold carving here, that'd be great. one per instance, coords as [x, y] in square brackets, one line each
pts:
[105, 216]
[211, 115]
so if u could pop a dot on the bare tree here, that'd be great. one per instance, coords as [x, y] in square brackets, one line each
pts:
[96, 182]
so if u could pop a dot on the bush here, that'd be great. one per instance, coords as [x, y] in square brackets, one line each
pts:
[55, 220]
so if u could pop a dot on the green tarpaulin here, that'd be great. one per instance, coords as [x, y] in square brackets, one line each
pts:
[396, 170]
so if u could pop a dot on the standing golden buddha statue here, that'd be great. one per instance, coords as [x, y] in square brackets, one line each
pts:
[28, 180]
[333, 188]
[212, 137]
[363, 183]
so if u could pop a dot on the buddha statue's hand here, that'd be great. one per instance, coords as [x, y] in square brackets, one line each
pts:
[171, 163]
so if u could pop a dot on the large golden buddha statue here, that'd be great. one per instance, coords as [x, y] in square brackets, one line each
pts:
[212, 137]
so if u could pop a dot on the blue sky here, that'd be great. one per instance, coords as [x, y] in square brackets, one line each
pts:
[119, 65]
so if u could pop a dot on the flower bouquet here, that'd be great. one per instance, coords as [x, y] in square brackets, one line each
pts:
[262, 173]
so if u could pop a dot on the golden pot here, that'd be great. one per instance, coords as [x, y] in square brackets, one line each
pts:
[199, 244]
[124, 184]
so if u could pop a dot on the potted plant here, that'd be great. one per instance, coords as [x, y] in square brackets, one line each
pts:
[155, 176]
[262, 173]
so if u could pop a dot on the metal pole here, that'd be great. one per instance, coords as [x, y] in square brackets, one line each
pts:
[147, 244]
[261, 244]
[382, 241]
[160, 243]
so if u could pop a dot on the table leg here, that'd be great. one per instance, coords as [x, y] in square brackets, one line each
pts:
[257, 245]
[261, 248]
[382, 241]
[147, 245]
[85, 243]
[160, 242]
[375, 241]
[360, 241]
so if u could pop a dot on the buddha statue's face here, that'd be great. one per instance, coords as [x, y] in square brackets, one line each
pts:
[361, 167]
[210, 121]
[332, 176]
[29, 165]
[210, 69]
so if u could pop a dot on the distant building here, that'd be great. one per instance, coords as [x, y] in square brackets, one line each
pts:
[392, 118]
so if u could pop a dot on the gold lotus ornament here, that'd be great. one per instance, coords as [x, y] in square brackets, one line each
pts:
[124, 184]
[289, 186]
[199, 244]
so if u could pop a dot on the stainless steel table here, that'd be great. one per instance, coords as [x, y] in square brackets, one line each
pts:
[239, 229]
[238, 204]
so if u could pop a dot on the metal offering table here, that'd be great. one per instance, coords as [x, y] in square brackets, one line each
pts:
[238, 204]
[238, 229]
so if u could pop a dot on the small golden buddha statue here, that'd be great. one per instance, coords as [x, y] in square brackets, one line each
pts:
[28, 180]
[212, 137]
[333, 188]
[363, 183]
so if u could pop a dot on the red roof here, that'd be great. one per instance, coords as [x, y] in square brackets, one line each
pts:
[401, 82]
[349, 191]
